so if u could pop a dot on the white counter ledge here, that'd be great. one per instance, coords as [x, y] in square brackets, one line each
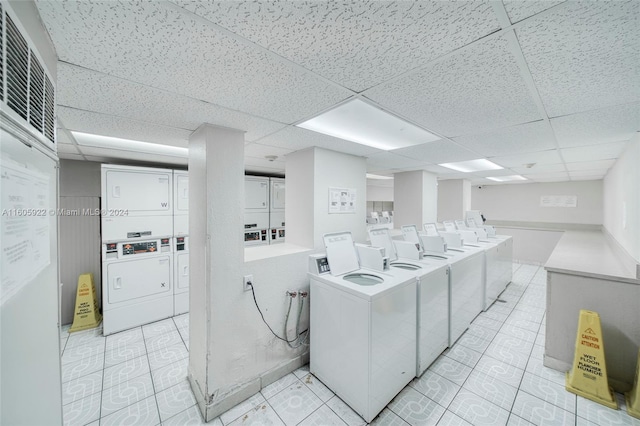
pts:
[273, 250]
[591, 254]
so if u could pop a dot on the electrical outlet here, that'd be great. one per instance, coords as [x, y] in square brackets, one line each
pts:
[246, 280]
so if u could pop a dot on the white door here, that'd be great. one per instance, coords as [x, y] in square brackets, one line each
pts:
[256, 194]
[137, 191]
[133, 279]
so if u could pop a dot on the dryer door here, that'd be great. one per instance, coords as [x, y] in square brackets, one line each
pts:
[135, 279]
[182, 274]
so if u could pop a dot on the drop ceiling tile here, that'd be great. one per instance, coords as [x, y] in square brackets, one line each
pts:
[438, 152]
[439, 170]
[492, 173]
[519, 10]
[551, 175]
[475, 89]
[519, 160]
[539, 168]
[68, 156]
[450, 176]
[612, 124]
[529, 137]
[62, 137]
[590, 165]
[605, 151]
[295, 138]
[389, 160]
[118, 127]
[120, 97]
[161, 45]
[116, 154]
[385, 38]
[258, 150]
[261, 162]
[592, 177]
[584, 55]
[67, 148]
[596, 174]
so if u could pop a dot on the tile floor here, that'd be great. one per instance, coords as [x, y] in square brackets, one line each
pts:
[492, 376]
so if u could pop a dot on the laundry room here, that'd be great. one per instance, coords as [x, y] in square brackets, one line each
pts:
[301, 212]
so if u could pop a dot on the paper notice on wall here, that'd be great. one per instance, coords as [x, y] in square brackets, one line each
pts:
[559, 201]
[24, 227]
[342, 200]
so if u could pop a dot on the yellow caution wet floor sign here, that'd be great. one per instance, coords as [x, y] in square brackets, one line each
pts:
[588, 377]
[633, 396]
[86, 314]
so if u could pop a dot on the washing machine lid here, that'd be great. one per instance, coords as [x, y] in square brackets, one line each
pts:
[431, 229]
[341, 253]
[380, 237]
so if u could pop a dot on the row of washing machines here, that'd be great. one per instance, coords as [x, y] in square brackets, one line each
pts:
[382, 313]
[145, 239]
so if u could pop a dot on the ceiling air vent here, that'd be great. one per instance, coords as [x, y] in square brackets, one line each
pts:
[26, 90]
[17, 70]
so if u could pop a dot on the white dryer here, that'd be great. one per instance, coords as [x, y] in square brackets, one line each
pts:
[432, 298]
[136, 203]
[276, 210]
[136, 282]
[466, 282]
[363, 327]
[180, 242]
[256, 210]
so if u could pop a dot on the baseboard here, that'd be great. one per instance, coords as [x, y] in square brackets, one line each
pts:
[227, 399]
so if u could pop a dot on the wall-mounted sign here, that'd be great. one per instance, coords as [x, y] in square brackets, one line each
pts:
[342, 200]
[559, 201]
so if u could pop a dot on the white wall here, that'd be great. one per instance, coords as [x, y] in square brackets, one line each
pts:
[379, 193]
[415, 198]
[521, 202]
[299, 197]
[454, 199]
[622, 199]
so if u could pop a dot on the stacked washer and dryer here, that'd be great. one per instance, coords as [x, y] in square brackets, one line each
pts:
[137, 259]
[264, 210]
[181, 241]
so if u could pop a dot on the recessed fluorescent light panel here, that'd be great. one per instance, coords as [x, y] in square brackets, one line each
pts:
[97, 141]
[372, 176]
[507, 178]
[472, 166]
[359, 122]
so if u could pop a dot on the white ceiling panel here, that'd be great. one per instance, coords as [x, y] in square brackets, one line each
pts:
[596, 174]
[593, 177]
[61, 135]
[155, 44]
[295, 138]
[523, 138]
[115, 154]
[108, 125]
[613, 124]
[473, 90]
[120, 97]
[258, 150]
[492, 173]
[540, 168]
[67, 148]
[389, 160]
[384, 38]
[605, 151]
[67, 156]
[439, 170]
[519, 160]
[590, 165]
[519, 10]
[261, 162]
[548, 177]
[442, 151]
[585, 55]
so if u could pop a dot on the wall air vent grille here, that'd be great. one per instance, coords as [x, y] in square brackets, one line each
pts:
[17, 70]
[26, 89]
[36, 94]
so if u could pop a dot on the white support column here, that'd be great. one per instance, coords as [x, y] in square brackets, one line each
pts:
[216, 205]
[415, 198]
[454, 199]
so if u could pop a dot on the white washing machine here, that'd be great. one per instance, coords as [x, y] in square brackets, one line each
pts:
[432, 299]
[136, 282]
[466, 282]
[256, 210]
[363, 328]
[180, 242]
[276, 210]
[136, 203]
